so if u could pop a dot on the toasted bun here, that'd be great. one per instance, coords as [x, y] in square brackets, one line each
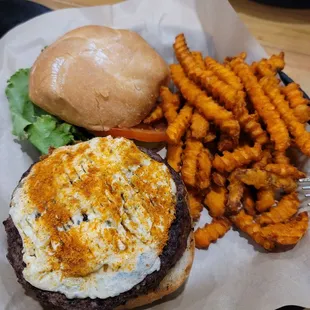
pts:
[172, 281]
[98, 78]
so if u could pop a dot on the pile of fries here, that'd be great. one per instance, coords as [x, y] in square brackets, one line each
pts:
[229, 128]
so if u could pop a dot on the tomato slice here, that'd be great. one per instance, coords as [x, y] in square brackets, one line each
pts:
[143, 133]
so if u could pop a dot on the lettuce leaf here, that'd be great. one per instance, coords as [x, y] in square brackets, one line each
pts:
[31, 122]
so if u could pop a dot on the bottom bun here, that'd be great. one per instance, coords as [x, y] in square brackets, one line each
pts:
[171, 282]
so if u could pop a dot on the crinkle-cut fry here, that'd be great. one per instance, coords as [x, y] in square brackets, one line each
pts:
[262, 68]
[170, 104]
[204, 169]
[235, 193]
[265, 159]
[297, 129]
[302, 113]
[265, 199]
[270, 81]
[155, 116]
[190, 156]
[215, 200]
[177, 128]
[280, 158]
[233, 101]
[248, 201]
[204, 104]
[238, 158]
[211, 232]
[231, 98]
[199, 126]
[211, 136]
[195, 204]
[266, 110]
[286, 183]
[250, 125]
[286, 208]
[198, 59]
[246, 223]
[242, 56]
[285, 170]
[262, 179]
[294, 95]
[269, 67]
[174, 155]
[289, 233]
[224, 74]
[218, 178]
[256, 177]
[277, 61]
[226, 143]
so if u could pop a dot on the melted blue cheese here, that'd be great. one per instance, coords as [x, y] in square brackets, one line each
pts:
[122, 230]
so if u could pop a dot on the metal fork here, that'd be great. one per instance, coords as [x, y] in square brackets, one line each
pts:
[305, 187]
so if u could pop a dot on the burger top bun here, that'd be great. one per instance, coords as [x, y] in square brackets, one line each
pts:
[98, 78]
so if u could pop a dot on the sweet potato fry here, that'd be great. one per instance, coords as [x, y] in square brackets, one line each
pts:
[199, 126]
[195, 204]
[235, 193]
[280, 158]
[211, 232]
[218, 178]
[240, 157]
[198, 59]
[262, 68]
[266, 110]
[285, 170]
[215, 200]
[230, 97]
[255, 177]
[269, 67]
[190, 156]
[297, 102]
[248, 201]
[246, 223]
[250, 125]
[204, 169]
[177, 128]
[155, 116]
[265, 159]
[174, 155]
[302, 113]
[211, 136]
[262, 179]
[289, 233]
[204, 104]
[170, 104]
[224, 74]
[265, 199]
[286, 208]
[297, 129]
[226, 143]
[277, 61]
[219, 90]
[294, 95]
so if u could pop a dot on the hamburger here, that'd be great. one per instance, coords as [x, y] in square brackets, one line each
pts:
[93, 80]
[101, 224]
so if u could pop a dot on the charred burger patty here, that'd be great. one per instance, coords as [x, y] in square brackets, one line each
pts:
[172, 251]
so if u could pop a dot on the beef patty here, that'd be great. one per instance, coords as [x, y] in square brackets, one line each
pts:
[174, 249]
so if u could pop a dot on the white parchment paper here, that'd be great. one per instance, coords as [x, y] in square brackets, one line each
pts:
[232, 274]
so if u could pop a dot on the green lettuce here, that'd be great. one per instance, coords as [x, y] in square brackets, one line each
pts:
[30, 122]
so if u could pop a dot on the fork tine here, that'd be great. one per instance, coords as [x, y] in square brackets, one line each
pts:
[307, 195]
[304, 180]
[306, 187]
